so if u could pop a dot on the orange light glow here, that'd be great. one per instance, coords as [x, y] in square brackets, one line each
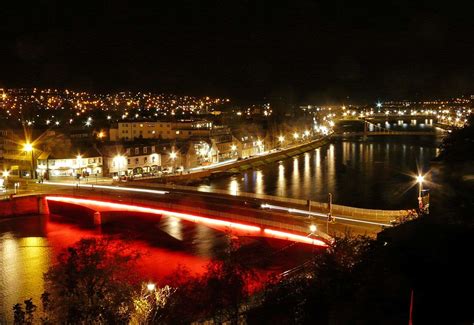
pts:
[294, 237]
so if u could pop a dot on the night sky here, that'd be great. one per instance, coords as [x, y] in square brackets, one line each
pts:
[247, 50]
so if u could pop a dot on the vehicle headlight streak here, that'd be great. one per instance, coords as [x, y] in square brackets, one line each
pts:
[321, 215]
[111, 206]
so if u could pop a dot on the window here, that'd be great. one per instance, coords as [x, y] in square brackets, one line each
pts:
[128, 151]
[137, 150]
[128, 161]
[145, 150]
[153, 159]
[137, 161]
[152, 148]
[145, 159]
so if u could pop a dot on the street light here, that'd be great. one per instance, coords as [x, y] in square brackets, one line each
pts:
[151, 286]
[118, 160]
[173, 156]
[296, 135]
[28, 147]
[420, 179]
[312, 228]
[281, 139]
[233, 147]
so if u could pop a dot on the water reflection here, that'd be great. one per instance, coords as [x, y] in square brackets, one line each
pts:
[281, 181]
[233, 187]
[359, 173]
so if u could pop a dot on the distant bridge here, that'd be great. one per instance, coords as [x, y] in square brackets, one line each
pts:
[383, 133]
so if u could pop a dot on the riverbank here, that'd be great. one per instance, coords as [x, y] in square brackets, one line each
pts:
[242, 165]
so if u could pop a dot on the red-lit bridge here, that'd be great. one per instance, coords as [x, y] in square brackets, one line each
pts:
[235, 224]
[241, 213]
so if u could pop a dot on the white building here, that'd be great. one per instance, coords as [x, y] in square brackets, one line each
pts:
[89, 163]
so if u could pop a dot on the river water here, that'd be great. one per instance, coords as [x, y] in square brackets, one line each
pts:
[375, 173]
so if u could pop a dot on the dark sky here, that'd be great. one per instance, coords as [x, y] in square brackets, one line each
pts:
[300, 49]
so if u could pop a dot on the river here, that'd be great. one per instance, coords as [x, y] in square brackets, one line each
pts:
[375, 173]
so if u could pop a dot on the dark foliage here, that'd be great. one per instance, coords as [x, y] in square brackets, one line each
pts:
[458, 146]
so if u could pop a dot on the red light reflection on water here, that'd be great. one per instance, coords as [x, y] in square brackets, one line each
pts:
[154, 264]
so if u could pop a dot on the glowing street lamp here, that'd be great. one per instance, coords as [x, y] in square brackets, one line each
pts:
[173, 156]
[281, 139]
[151, 287]
[420, 179]
[306, 133]
[28, 147]
[312, 228]
[119, 160]
[296, 135]
[233, 147]
[5, 173]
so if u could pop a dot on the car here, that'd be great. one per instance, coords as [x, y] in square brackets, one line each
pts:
[167, 170]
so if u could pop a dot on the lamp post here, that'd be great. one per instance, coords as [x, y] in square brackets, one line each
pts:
[28, 147]
[420, 179]
[118, 160]
[281, 139]
[5, 175]
[173, 156]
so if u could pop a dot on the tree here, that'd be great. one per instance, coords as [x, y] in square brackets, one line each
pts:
[218, 294]
[458, 146]
[91, 282]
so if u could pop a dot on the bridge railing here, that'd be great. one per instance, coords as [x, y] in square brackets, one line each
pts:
[362, 213]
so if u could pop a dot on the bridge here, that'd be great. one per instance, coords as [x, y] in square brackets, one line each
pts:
[381, 131]
[384, 133]
[234, 224]
[241, 214]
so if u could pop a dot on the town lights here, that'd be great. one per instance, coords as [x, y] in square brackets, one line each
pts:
[306, 133]
[173, 155]
[259, 143]
[296, 135]
[281, 139]
[312, 228]
[233, 147]
[6, 173]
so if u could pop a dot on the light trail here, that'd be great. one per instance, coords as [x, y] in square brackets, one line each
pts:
[107, 187]
[321, 215]
[294, 237]
[189, 217]
[222, 163]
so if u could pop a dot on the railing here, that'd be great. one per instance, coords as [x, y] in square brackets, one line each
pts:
[369, 214]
